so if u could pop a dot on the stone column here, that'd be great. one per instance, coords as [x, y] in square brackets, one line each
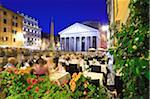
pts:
[64, 44]
[74, 43]
[70, 43]
[61, 43]
[86, 43]
[98, 41]
[67, 44]
[91, 42]
[80, 43]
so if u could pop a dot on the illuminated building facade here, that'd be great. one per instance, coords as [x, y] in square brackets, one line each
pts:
[32, 32]
[11, 33]
[79, 37]
[118, 13]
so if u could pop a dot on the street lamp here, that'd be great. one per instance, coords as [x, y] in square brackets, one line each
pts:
[20, 38]
[105, 28]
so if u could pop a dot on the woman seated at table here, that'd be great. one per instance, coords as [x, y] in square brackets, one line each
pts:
[40, 68]
[53, 68]
[11, 63]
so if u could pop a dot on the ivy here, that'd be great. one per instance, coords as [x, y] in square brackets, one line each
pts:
[131, 52]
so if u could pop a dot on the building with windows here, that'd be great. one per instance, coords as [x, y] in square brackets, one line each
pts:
[79, 37]
[32, 32]
[118, 13]
[11, 33]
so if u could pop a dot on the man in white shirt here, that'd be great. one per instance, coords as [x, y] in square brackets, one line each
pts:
[110, 62]
[111, 74]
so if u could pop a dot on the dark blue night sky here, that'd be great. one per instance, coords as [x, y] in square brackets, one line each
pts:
[64, 12]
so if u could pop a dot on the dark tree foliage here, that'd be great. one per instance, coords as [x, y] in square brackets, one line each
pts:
[132, 51]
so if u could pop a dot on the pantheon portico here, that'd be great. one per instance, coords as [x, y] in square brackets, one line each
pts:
[79, 37]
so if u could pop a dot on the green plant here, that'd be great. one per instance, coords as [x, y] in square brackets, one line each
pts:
[131, 53]
[20, 84]
[81, 87]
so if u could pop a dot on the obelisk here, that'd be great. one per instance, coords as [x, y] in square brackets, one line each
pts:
[52, 43]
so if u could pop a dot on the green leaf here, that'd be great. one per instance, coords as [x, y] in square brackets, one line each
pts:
[147, 75]
[137, 71]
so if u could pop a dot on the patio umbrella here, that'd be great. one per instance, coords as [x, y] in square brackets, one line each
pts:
[91, 49]
[101, 49]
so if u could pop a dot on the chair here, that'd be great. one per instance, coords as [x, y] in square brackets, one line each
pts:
[72, 68]
[96, 69]
[95, 82]
[102, 62]
[63, 64]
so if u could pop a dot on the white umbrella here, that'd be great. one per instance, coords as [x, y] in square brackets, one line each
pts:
[101, 49]
[91, 49]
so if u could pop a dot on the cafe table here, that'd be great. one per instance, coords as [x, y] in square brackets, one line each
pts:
[102, 66]
[60, 77]
[95, 76]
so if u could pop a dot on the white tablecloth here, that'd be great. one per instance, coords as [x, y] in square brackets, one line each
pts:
[94, 76]
[62, 60]
[59, 77]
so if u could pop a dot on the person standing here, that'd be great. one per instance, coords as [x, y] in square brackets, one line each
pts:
[111, 73]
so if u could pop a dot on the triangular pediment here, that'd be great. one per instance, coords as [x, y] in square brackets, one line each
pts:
[77, 28]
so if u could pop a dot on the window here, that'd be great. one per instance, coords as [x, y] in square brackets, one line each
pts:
[6, 38]
[28, 39]
[13, 23]
[2, 38]
[15, 17]
[16, 24]
[14, 31]
[4, 30]
[14, 40]
[5, 13]
[5, 21]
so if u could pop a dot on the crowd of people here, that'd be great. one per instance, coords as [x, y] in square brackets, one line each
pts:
[46, 64]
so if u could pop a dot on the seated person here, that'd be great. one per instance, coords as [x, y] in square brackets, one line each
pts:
[11, 63]
[1, 69]
[39, 68]
[60, 68]
[51, 65]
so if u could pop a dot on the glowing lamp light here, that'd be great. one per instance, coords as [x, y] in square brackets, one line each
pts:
[19, 36]
[105, 27]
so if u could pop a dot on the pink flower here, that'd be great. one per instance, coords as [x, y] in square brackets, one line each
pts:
[47, 92]
[85, 92]
[34, 81]
[41, 79]
[36, 89]
[62, 85]
[28, 80]
[29, 87]
[15, 71]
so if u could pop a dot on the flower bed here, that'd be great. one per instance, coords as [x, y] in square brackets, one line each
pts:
[18, 84]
